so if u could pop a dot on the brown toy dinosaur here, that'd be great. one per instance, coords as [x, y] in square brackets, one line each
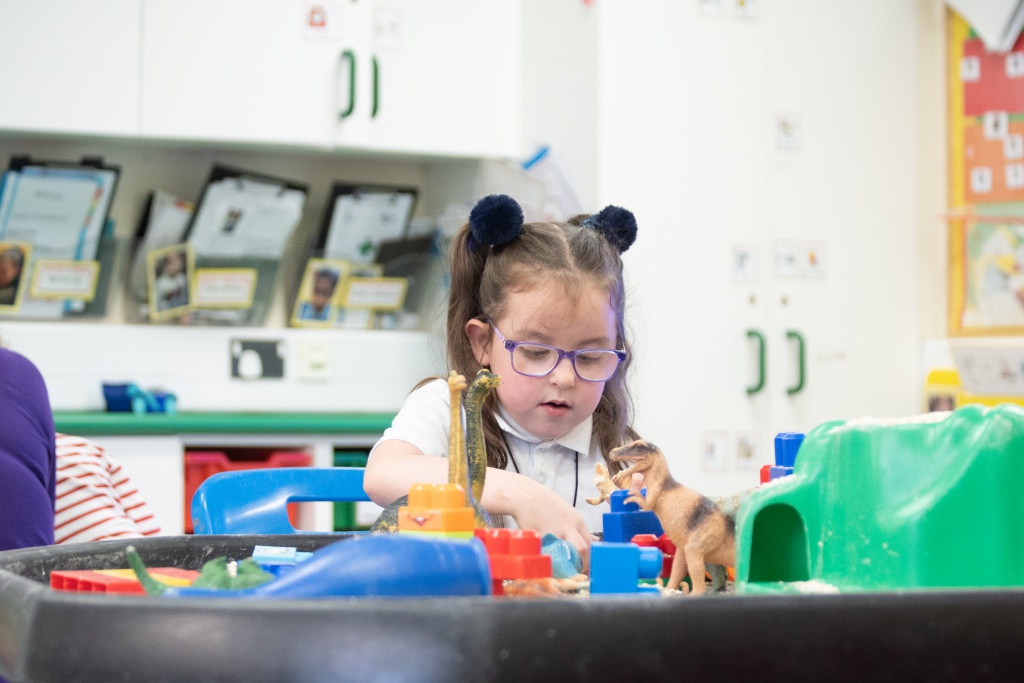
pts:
[702, 534]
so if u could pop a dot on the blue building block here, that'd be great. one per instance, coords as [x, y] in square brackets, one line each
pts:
[626, 520]
[777, 472]
[787, 444]
[618, 568]
[277, 560]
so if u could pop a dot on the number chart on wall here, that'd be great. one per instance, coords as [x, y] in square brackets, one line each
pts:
[986, 185]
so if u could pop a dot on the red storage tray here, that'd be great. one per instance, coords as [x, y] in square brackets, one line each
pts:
[202, 464]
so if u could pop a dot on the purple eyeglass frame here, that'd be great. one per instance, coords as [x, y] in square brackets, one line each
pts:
[571, 355]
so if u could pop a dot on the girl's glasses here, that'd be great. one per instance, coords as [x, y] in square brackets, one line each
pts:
[537, 360]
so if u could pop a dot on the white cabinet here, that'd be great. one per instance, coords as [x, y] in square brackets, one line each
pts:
[434, 78]
[69, 66]
[449, 77]
[688, 136]
[236, 70]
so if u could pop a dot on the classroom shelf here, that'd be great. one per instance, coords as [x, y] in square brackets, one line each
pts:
[92, 423]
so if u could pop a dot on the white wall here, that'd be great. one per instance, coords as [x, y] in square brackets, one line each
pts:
[934, 167]
[686, 138]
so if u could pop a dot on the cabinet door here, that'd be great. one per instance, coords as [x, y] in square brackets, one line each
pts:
[245, 70]
[683, 138]
[448, 77]
[393, 75]
[849, 192]
[688, 140]
[70, 66]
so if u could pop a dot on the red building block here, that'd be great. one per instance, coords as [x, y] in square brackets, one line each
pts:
[667, 548]
[514, 555]
[120, 581]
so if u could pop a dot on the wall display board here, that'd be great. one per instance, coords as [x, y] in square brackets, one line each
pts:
[55, 236]
[238, 232]
[986, 184]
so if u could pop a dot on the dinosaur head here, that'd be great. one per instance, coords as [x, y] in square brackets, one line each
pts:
[642, 455]
[485, 379]
[456, 381]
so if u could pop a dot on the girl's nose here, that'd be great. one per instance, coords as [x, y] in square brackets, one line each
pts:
[563, 375]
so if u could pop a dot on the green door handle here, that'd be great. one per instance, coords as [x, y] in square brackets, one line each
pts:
[801, 350]
[350, 57]
[754, 334]
[376, 88]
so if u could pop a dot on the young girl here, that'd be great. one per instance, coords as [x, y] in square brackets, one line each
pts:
[541, 305]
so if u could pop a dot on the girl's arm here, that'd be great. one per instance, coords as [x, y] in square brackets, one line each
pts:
[394, 466]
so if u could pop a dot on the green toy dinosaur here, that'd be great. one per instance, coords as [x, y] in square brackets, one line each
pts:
[467, 455]
[214, 574]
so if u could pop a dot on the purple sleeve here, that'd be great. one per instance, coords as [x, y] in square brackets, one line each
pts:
[27, 455]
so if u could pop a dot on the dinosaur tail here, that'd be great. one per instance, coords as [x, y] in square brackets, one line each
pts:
[151, 585]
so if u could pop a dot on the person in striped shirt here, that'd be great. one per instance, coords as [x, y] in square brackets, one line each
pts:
[96, 500]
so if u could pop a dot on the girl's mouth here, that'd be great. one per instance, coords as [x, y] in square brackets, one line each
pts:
[555, 408]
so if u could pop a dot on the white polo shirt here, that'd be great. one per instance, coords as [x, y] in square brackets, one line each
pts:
[564, 465]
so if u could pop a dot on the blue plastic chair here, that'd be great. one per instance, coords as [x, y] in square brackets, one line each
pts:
[255, 501]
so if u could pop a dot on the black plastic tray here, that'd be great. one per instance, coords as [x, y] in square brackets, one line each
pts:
[60, 637]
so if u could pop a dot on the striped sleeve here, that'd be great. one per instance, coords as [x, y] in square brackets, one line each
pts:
[96, 500]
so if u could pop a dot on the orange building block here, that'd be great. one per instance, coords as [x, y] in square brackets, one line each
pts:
[428, 519]
[438, 509]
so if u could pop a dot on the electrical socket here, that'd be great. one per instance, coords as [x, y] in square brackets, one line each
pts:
[253, 359]
[314, 360]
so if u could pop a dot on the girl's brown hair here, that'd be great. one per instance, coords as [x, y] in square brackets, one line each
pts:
[570, 254]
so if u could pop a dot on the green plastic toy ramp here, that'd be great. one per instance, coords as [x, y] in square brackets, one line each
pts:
[932, 501]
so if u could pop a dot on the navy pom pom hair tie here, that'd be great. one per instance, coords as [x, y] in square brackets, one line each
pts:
[495, 220]
[618, 226]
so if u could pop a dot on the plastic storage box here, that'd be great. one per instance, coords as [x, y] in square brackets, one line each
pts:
[200, 465]
[345, 518]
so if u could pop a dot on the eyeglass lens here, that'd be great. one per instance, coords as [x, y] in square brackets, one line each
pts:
[594, 366]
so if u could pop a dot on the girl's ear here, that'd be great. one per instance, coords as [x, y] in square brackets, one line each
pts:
[479, 335]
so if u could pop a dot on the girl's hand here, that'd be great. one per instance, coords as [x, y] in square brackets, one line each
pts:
[543, 510]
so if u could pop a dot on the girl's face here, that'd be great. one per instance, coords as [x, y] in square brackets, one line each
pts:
[9, 270]
[547, 407]
[175, 264]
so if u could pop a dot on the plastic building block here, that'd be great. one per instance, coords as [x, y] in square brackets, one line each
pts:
[926, 502]
[618, 568]
[626, 520]
[437, 510]
[278, 554]
[116, 580]
[787, 444]
[131, 398]
[379, 565]
[662, 543]
[514, 554]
